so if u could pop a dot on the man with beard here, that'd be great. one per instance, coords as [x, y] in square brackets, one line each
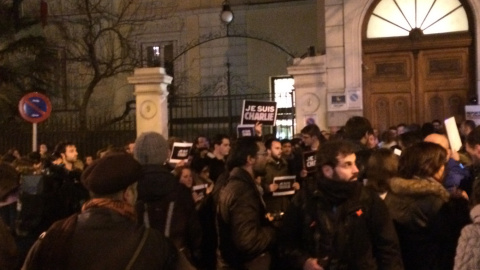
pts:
[244, 233]
[473, 149]
[276, 166]
[63, 182]
[340, 224]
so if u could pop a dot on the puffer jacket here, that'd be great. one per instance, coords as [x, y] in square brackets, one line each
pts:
[428, 222]
[468, 248]
[244, 233]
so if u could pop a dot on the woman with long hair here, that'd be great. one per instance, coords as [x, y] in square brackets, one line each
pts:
[428, 219]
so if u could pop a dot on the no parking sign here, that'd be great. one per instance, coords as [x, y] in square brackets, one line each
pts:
[34, 107]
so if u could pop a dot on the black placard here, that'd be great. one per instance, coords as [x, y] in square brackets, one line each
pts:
[264, 112]
[310, 161]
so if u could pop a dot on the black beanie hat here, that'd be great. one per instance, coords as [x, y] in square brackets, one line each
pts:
[111, 174]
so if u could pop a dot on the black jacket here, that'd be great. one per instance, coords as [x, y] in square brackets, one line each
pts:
[158, 193]
[244, 232]
[355, 233]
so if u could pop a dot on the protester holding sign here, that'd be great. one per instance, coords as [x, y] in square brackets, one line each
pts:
[276, 167]
[264, 112]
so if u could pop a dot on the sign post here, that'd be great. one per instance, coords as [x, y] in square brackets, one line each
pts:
[34, 108]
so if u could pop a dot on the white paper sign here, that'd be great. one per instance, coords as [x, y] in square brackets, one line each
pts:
[453, 134]
[472, 112]
[180, 151]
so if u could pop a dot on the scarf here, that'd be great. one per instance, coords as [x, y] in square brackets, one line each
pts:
[336, 192]
[118, 206]
[56, 244]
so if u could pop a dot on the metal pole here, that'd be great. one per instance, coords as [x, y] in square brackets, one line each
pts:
[230, 118]
[292, 95]
[34, 137]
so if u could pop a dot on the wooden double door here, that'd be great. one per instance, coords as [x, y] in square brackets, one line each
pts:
[416, 85]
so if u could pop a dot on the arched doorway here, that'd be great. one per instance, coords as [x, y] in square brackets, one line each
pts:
[417, 61]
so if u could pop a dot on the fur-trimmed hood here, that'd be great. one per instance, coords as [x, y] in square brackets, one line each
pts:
[475, 213]
[418, 187]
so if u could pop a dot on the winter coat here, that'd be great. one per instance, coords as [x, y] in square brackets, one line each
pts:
[468, 248]
[104, 239]
[428, 222]
[355, 233]
[170, 208]
[275, 168]
[8, 248]
[244, 233]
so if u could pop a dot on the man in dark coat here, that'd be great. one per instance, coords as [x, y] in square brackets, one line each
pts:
[105, 234]
[340, 224]
[245, 235]
[275, 166]
[357, 131]
[163, 203]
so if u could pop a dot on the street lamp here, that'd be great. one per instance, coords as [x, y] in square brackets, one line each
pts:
[226, 15]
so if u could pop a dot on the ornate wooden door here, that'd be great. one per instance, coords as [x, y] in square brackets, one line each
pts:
[415, 86]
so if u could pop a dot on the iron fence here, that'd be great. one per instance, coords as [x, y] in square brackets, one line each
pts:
[65, 127]
[188, 118]
[191, 116]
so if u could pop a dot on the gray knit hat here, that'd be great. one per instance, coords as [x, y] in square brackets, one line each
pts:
[151, 148]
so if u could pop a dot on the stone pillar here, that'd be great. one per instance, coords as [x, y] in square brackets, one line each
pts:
[310, 90]
[151, 99]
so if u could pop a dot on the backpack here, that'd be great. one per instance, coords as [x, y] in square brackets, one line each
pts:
[30, 204]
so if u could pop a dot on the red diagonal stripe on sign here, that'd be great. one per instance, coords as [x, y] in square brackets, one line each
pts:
[34, 107]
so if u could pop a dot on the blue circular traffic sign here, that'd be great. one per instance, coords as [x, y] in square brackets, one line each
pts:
[34, 107]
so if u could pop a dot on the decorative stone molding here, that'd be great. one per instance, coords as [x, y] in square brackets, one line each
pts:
[310, 90]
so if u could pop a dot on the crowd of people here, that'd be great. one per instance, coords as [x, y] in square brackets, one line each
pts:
[353, 199]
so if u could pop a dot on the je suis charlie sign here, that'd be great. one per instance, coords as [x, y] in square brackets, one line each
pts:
[255, 111]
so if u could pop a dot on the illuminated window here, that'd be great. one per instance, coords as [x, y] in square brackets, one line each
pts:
[282, 89]
[394, 18]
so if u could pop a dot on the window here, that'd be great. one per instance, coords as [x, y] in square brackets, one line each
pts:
[158, 55]
[282, 89]
[395, 18]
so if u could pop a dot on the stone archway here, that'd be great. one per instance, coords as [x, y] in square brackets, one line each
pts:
[349, 42]
[412, 77]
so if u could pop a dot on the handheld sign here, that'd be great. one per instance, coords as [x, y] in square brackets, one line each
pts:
[245, 131]
[180, 152]
[453, 134]
[310, 161]
[264, 112]
[34, 107]
[285, 185]
[472, 112]
[201, 190]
